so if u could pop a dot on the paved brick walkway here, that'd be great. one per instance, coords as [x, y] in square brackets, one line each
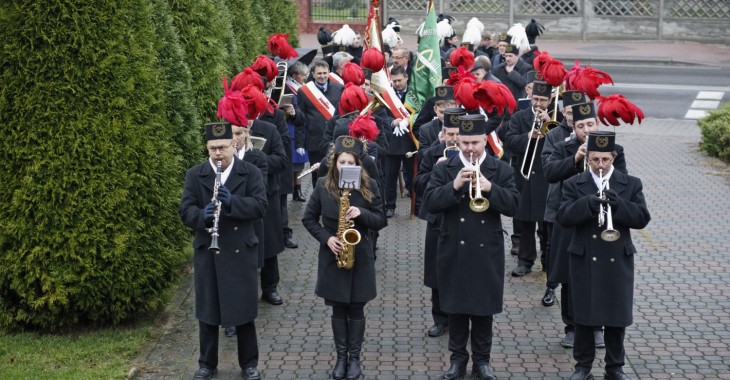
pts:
[682, 297]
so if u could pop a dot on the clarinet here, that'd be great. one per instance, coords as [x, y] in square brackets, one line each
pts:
[214, 230]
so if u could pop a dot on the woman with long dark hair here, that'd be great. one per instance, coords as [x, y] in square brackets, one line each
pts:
[345, 290]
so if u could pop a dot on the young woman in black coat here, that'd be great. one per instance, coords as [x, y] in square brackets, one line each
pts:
[346, 290]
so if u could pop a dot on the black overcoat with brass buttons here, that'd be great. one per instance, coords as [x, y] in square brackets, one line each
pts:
[226, 283]
[601, 272]
[470, 257]
[533, 192]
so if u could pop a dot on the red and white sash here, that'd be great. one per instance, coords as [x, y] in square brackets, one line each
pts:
[336, 78]
[320, 101]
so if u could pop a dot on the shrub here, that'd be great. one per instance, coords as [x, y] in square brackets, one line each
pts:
[283, 19]
[715, 129]
[250, 37]
[89, 178]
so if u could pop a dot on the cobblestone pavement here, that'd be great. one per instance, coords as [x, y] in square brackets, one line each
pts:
[682, 298]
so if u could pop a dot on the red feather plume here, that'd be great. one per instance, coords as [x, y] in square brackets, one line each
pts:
[461, 74]
[245, 78]
[265, 67]
[353, 98]
[615, 107]
[372, 59]
[493, 96]
[232, 106]
[352, 73]
[586, 80]
[279, 46]
[464, 94]
[552, 70]
[256, 102]
[364, 127]
[462, 57]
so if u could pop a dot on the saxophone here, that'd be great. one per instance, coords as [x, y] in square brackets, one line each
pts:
[348, 236]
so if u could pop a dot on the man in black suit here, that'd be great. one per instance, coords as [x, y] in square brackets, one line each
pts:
[512, 71]
[602, 205]
[399, 144]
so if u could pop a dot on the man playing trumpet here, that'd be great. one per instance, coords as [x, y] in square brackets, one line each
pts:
[602, 271]
[470, 253]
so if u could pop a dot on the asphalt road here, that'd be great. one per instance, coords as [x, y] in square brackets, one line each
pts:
[667, 91]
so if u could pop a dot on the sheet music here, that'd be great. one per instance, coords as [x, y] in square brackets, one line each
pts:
[350, 177]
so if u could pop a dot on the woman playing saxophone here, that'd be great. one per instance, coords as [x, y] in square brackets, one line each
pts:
[345, 290]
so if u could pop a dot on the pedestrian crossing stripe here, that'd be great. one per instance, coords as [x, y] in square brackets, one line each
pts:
[704, 103]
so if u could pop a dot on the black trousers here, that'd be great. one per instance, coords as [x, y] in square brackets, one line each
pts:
[270, 275]
[315, 156]
[481, 338]
[392, 170]
[549, 232]
[285, 217]
[584, 351]
[566, 307]
[528, 244]
[439, 317]
[248, 349]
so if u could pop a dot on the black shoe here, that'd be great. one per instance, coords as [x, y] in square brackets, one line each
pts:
[289, 243]
[230, 331]
[598, 337]
[204, 373]
[297, 196]
[273, 298]
[581, 373]
[437, 330]
[616, 375]
[389, 213]
[456, 371]
[569, 339]
[251, 373]
[549, 298]
[483, 372]
[521, 271]
[515, 248]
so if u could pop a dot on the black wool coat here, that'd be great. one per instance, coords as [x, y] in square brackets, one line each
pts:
[276, 162]
[316, 122]
[278, 119]
[428, 134]
[226, 284]
[258, 159]
[533, 192]
[559, 167]
[470, 255]
[601, 272]
[321, 220]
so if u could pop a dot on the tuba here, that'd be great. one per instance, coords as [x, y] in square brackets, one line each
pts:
[348, 236]
[477, 202]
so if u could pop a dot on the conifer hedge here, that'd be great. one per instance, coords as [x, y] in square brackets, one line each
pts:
[715, 129]
[89, 178]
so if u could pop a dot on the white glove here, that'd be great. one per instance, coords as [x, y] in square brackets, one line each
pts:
[397, 131]
[301, 151]
[404, 126]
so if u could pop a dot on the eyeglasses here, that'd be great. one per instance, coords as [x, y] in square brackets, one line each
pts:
[213, 149]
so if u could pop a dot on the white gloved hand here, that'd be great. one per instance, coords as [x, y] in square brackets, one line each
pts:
[404, 126]
[397, 131]
[301, 151]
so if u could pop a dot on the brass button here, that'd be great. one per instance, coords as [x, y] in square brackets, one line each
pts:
[236, 251]
[235, 228]
[594, 236]
[462, 220]
[594, 259]
[462, 196]
[481, 245]
[482, 222]
[462, 242]
[218, 252]
[612, 260]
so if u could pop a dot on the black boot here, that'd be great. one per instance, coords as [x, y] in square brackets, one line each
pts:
[297, 195]
[339, 329]
[355, 335]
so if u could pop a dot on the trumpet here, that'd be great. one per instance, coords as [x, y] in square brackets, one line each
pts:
[213, 231]
[610, 234]
[477, 202]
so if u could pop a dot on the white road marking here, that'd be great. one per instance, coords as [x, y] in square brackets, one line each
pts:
[705, 104]
[710, 95]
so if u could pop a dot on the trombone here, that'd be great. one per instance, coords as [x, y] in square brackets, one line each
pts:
[544, 128]
[279, 81]
[477, 202]
[449, 149]
[610, 234]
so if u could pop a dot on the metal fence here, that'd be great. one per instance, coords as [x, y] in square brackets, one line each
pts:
[706, 20]
[339, 10]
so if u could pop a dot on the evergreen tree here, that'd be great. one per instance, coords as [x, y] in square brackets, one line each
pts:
[89, 178]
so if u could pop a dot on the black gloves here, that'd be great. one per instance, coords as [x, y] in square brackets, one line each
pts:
[594, 203]
[224, 195]
[209, 213]
[612, 198]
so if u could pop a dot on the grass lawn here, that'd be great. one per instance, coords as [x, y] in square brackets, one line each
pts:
[92, 354]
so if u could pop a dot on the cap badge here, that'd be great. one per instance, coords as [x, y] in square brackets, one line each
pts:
[467, 125]
[602, 141]
[348, 142]
[585, 109]
[218, 130]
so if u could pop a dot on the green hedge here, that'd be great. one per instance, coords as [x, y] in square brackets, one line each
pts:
[716, 133]
[89, 175]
